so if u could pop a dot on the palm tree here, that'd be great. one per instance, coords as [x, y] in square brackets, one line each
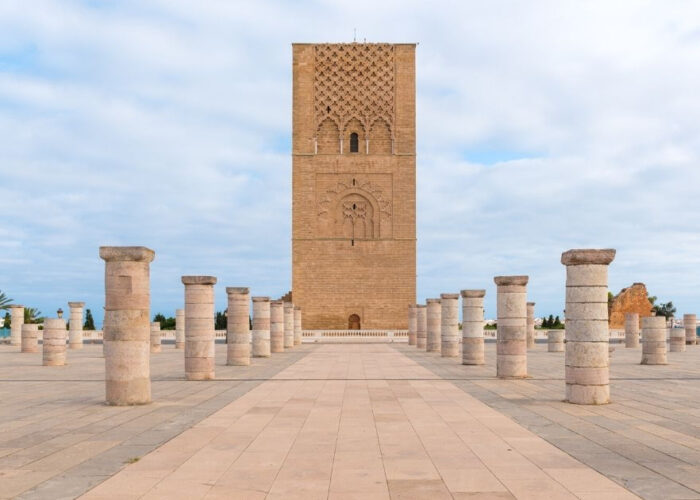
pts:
[5, 301]
[32, 315]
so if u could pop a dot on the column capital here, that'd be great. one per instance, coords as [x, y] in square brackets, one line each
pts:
[237, 290]
[472, 294]
[511, 280]
[199, 280]
[76, 304]
[583, 256]
[137, 254]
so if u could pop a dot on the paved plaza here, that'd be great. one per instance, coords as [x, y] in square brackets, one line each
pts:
[349, 421]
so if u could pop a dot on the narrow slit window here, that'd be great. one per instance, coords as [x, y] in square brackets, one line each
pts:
[354, 143]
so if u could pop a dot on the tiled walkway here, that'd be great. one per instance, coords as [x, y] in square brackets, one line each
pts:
[357, 421]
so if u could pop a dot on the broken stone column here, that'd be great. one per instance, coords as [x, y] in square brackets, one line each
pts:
[276, 326]
[511, 329]
[421, 326]
[54, 345]
[654, 340]
[433, 324]
[238, 327]
[449, 325]
[297, 325]
[473, 327]
[200, 335]
[412, 324]
[587, 334]
[126, 329]
[75, 325]
[16, 322]
[30, 337]
[631, 329]
[288, 325]
[555, 341]
[155, 336]
[676, 343]
[530, 325]
[261, 327]
[179, 328]
[690, 325]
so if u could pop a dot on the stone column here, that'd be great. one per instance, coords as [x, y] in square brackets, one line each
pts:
[677, 339]
[54, 347]
[412, 324]
[421, 326]
[511, 330]
[297, 325]
[288, 325]
[238, 327]
[473, 327]
[75, 325]
[200, 335]
[587, 334]
[449, 325]
[555, 341]
[179, 328]
[690, 324]
[276, 326]
[16, 322]
[126, 329]
[631, 330]
[433, 324]
[530, 325]
[261, 327]
[30, 337]
[155, 336]
[654, 340]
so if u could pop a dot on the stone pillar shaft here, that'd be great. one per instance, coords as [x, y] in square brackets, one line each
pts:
[261, 327]
[677, 340]
[690, 325]
[654, 340]
[30, 337]
[587, 334]
[179, 328]
[276, 326]
[511, 330]
[297, 325]
[288, 325]
[421, 326]
[434, 325]
[54, 347]
[631, 330]
[530, 325]
[75, 325]
[412, 324]
[126, 328]
[473, 327]
[238, 327]
[449, 325]
[16, 322]
[200, 335]
[555, 341]
[156, 336]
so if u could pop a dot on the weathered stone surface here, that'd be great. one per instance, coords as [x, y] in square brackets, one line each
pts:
[126, 327]
[199, 327]
[511, 334]
[412, 324]
[276, 326]
[587, 357]
[690, 324]
[654, 340]
[16, 322]
[434, 324]
[75, 325]
[530, 325]
[630, 300]
[677, 340]
[179, 328]
[555, 341]
[261, 327]
[54, 343]
[449, 321]
[288, 325]
[298, 332]
[473, 327]
[156, 337]
[421, 326]
[238, 327]
[631, 329]
[30, 337]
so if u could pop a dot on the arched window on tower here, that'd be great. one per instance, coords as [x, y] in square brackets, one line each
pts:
[354, 143]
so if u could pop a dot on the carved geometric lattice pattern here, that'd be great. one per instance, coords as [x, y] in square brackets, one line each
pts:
[354, 80]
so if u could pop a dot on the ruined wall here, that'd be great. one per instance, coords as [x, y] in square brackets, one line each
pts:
[632, 299]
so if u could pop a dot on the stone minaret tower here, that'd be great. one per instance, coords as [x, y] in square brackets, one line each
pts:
[354, 184]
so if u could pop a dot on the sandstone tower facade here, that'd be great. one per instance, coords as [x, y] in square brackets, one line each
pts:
[354, 184]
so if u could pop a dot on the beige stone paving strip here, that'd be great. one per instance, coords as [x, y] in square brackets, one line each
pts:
[357, 421]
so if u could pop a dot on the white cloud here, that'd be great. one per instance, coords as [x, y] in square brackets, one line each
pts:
[541, 127]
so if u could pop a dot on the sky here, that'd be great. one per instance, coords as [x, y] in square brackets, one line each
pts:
[541, 126]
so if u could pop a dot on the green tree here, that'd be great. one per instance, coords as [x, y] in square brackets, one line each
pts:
[32, 315]
[89, 322]
[6, 321]
[165, 323]
[545, 322]
[220, 323]
[666, 310]
[5, 301]
[557, 323]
